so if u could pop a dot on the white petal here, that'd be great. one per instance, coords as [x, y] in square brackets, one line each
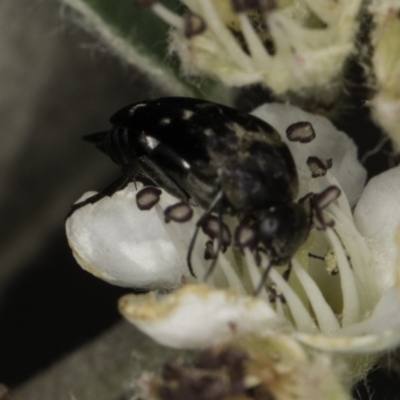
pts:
[329, 143]
[197, 316]
[353, 344]
[377, 217]
[385, 316]
[123, 245]
[381, 331]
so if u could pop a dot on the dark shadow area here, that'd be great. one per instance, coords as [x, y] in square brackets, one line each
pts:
[51, 308]
[381, 384]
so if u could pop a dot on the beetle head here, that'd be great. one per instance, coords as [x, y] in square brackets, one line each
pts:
[99, 139]
[282, 230]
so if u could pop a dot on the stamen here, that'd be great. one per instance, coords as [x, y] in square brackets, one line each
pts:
[351, 303]
[168, 16]
[342, 200]
[299, 313]
[209, 253]
[321, 219]
[264, 277]
[325, 10]
[331, 263]
[278, 31]
[359, 253]
[230, 273]
[256, 47]
[238, 56]
[320, 201]
[279, 309]
[352, 240]
[327, 320]
[275, 294]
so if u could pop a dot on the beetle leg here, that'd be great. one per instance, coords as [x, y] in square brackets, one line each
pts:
[286, 274]
[117, 185]
[161, 179]
[200, 222]
[219, 243]
[263, 279]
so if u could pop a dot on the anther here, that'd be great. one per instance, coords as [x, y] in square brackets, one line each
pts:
[326, 197]
[193, 24]
[318, 167]
[179, 212]
[210, 228]
[148, 197]
[275, 293]
[302, 132]
[319, 202]
[209, 253]
[331, 263]
[245, 237]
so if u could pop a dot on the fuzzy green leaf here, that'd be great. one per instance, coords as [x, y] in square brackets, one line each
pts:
[140, 38]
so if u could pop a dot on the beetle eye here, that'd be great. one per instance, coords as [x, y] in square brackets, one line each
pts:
[269, 226]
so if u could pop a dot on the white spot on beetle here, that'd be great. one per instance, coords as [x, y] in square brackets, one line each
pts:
[187, 114]
[149, 141]
[185, 164]
[136, 106]
[165, 121]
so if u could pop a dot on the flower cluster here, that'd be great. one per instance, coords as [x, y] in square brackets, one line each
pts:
[340, 296]
[254, 368]
[386, 65]
[288, 46]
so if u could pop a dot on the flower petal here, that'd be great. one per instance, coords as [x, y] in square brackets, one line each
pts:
[123, 245]
[353, 344]
[381, 331]
[377, 217]
[329, 143]
[197, 316]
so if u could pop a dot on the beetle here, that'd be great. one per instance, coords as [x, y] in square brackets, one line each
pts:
[216, 157]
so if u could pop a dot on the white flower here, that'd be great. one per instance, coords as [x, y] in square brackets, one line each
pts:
[385, 65]
[274, 367]
[289, 46]
[357, 310]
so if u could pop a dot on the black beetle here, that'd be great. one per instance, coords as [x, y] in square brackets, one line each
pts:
[221, 159]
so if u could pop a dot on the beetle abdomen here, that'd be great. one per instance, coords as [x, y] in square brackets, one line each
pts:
[115, 143]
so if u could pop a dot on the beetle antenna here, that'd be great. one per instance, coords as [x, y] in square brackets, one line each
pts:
[219, 243]
[263, 279]
[199, 223]
[316, 256]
